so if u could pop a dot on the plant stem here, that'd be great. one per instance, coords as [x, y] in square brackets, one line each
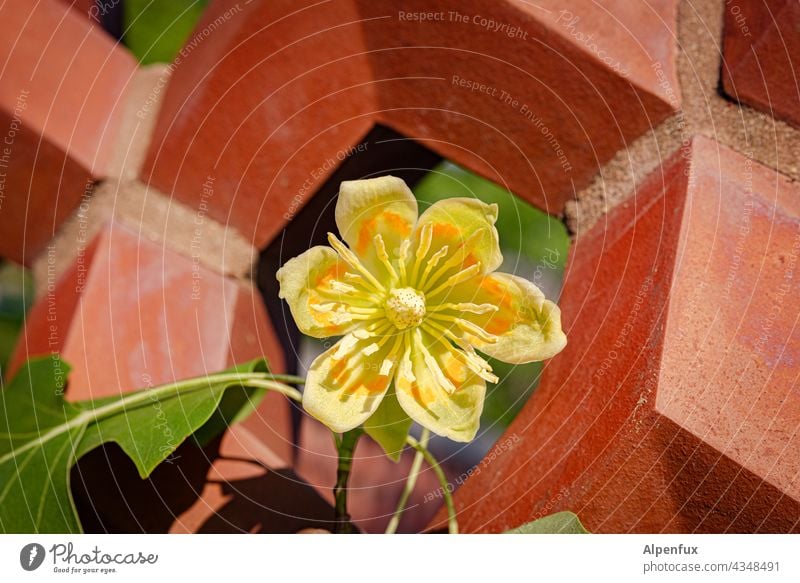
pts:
[411, 482]
[452, 522]
[132, 400]
[189, 386]
[345, 446]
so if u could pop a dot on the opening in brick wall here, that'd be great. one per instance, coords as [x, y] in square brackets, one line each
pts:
[534, 246]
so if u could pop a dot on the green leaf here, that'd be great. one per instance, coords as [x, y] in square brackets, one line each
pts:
[42, 435]
[389, 426]
[558, 523]
[157, 30]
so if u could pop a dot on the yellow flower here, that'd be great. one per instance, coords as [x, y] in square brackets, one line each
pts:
[413, 298]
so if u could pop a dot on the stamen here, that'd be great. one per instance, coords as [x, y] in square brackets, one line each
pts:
[464, 352]
[350, 258]
[380, 249]
[402, 258]
[456, 258]
[391, 358]
[371, 330]
[342, 287]
[406, 369]
[459, 277]
[341, 307]
[468, 327]
[465, 307]
[424, 246]
[345, 345]
[339, 317]
[433, 366]
[434, 261]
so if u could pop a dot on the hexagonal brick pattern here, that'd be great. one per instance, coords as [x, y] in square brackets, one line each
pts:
[534, 95]
[285, 93]
[61, 90]
[761, 51]
[511, 90]
[131, 313]
[675, 406]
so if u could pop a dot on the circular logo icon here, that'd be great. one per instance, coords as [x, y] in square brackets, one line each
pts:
[31, 556]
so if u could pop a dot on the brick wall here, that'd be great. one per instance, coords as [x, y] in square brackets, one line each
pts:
[662, 132]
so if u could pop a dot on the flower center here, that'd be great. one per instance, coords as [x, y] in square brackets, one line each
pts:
[405, 307]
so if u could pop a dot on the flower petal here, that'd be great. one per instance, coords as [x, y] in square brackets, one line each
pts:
[465, 226]
[346, 383]
[312, 284]
[527, 325]
[376, 206]
[437, 390]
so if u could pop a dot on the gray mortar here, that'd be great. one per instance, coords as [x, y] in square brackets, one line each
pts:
[152, 214]
[704, 111]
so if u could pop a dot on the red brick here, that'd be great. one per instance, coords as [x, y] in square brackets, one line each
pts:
[88, 7]
[279, 90]
[249, 489]
[275, 93]
[568, 99]
[131, 313]
[762, 55]
[675, 406]
[61, 90]
[375, 483]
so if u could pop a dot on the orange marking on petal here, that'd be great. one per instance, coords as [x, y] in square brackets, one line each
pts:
[365, 235]
[321, 318]
[494, 288]
[424, 397]
[375, 385]
[332, 272]
[498, 326]
[445, 231]
[338, 369]
[390, 222]
[396, 223]
[454, 370]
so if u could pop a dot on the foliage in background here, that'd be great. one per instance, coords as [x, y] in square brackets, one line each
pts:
[16, 296]
[534, 246]
[155, 30]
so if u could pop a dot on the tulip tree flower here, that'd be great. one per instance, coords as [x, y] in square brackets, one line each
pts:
[414, 299]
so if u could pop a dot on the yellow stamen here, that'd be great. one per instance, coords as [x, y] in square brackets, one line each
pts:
[350, 258]
[468, 327]
[402, 258]
[459, 277]
[380, 249]
[434, 261]
[463, 351]
[456, 258]
[424, 246]
[433, 365]
[464, 307]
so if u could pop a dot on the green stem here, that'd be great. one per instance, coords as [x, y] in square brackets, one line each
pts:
[452, 522]
[411, 482]
[345, 446]
[131, 400]
[190, 386]
[285, 378]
